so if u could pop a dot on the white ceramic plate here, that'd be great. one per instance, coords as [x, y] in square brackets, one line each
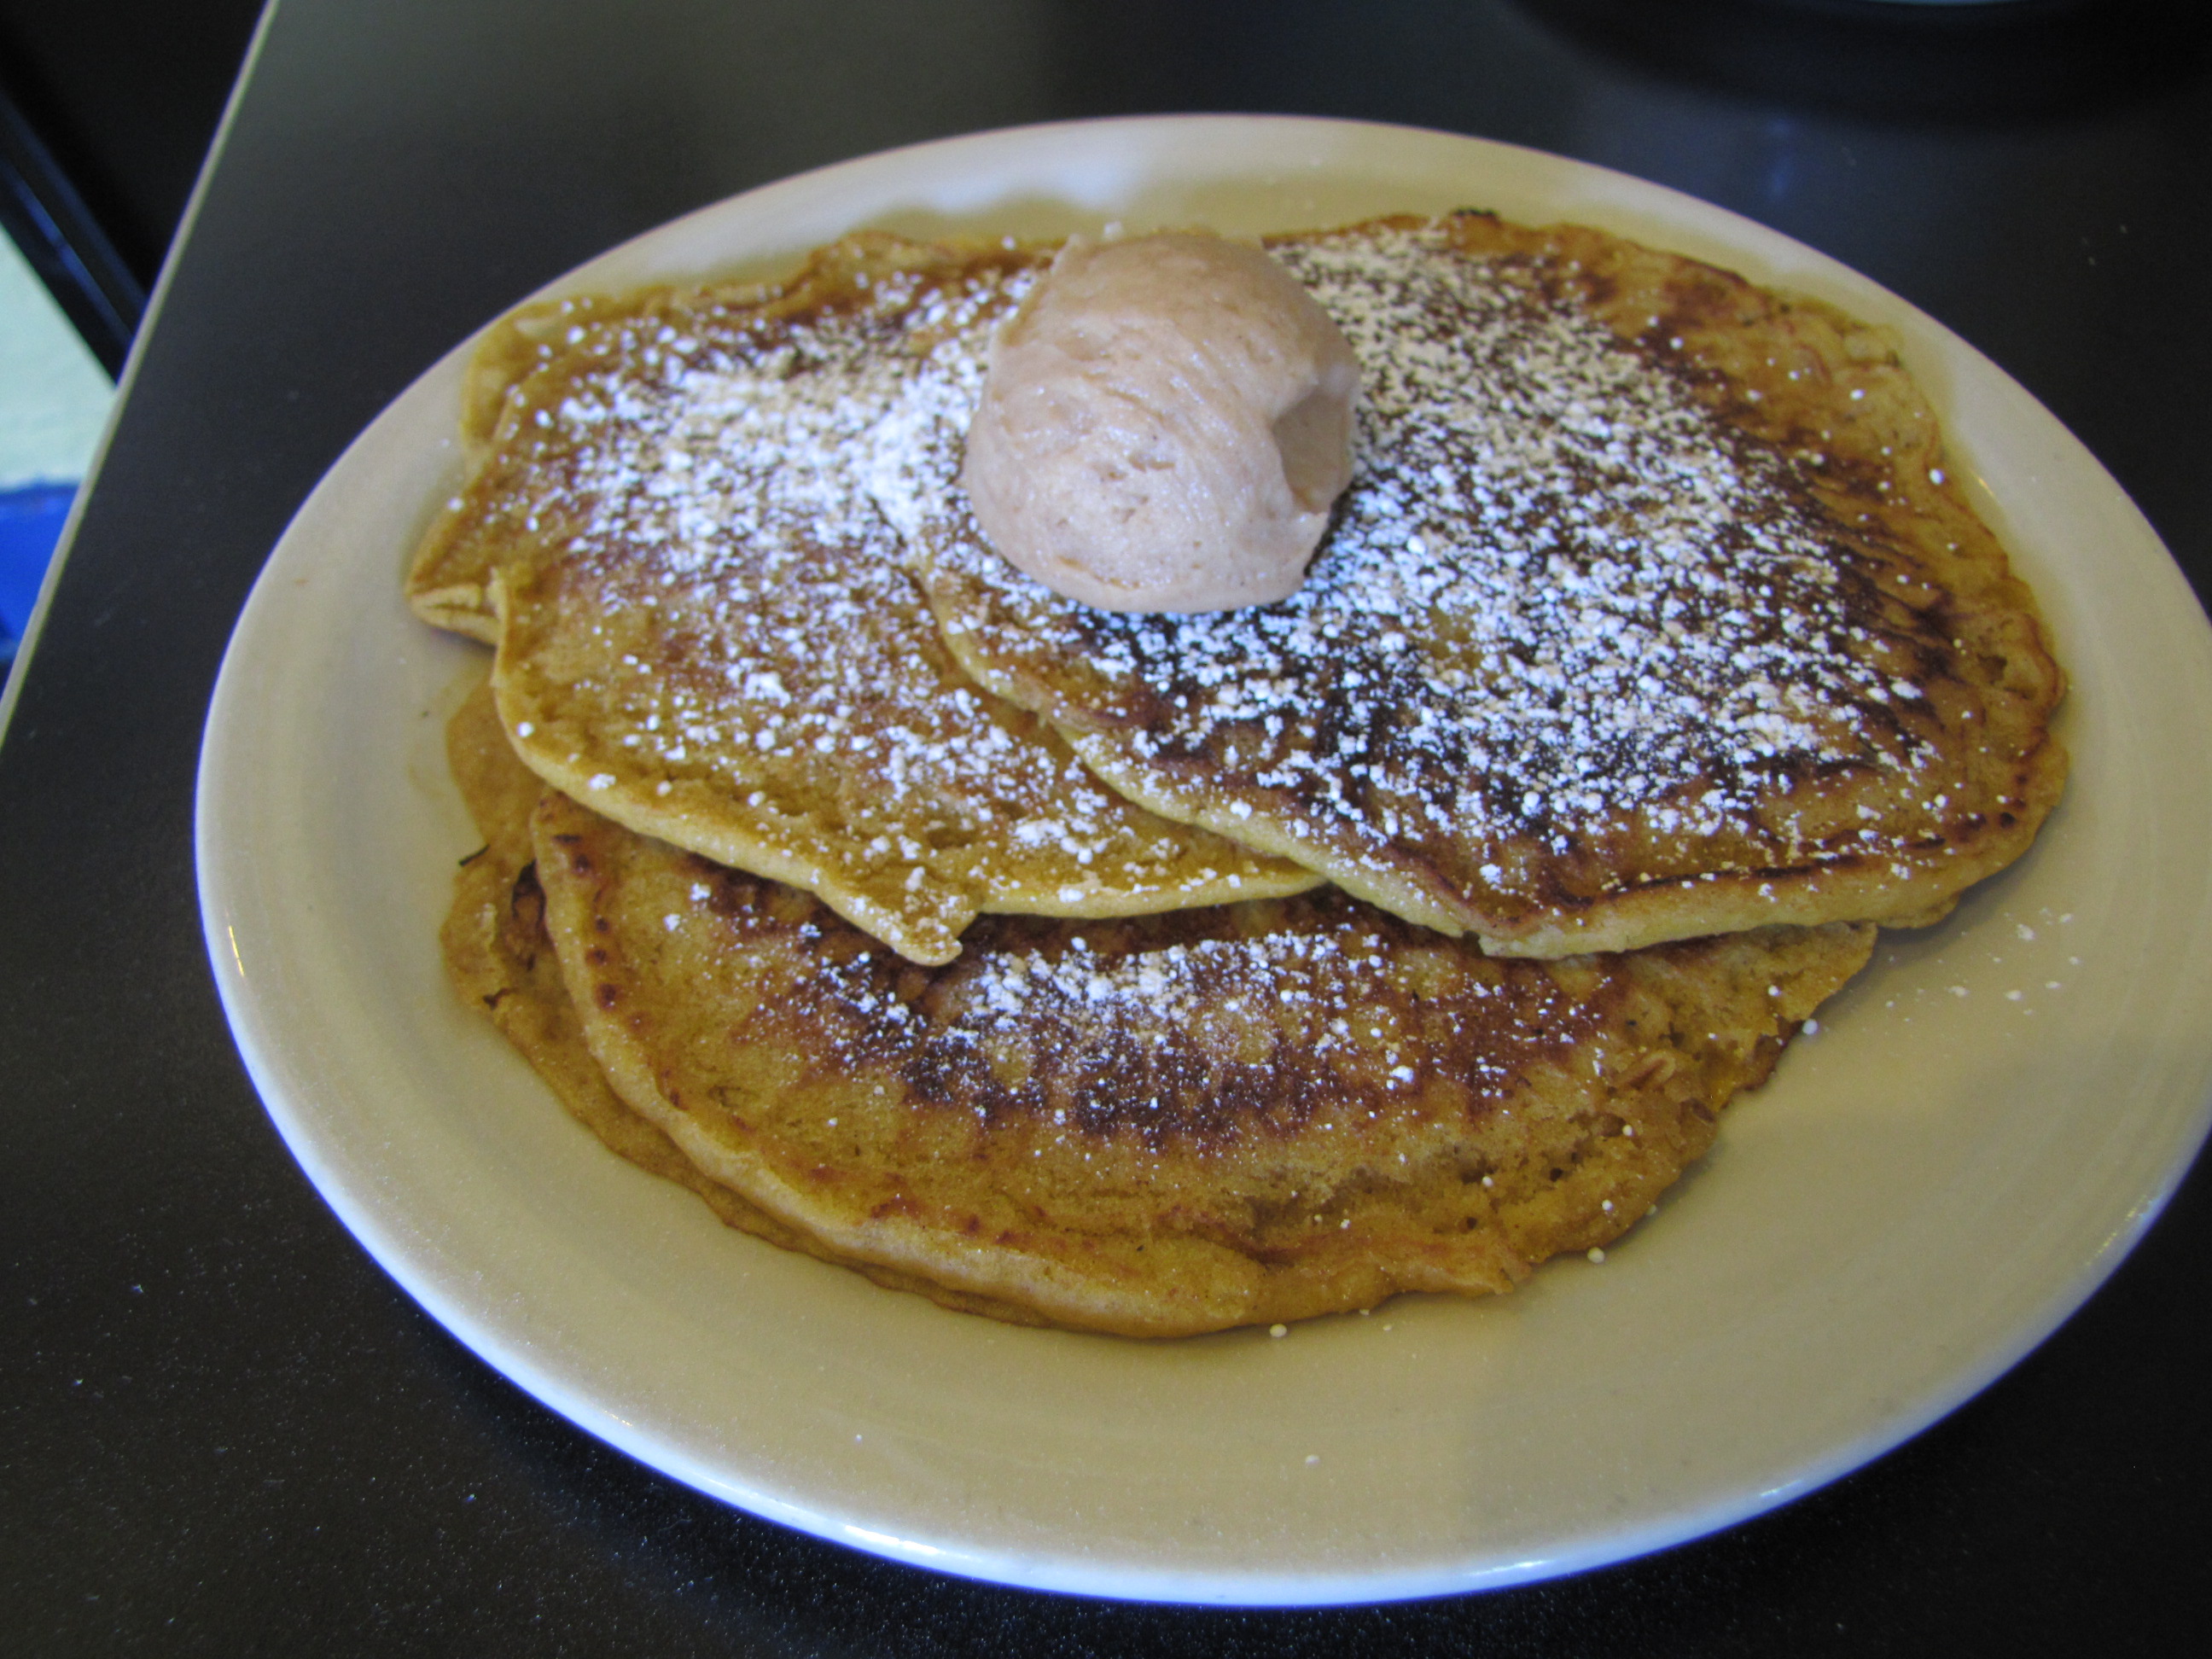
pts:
[1986, 1120]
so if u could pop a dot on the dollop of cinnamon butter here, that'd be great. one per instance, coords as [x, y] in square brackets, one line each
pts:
[1164, 423]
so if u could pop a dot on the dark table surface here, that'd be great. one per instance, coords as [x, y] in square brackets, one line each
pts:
[222, 1427]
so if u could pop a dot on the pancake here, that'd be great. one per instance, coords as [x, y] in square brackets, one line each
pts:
[704, 628]
[502, 964]
[501, 961]
[1167, 1124]
[1653, 611]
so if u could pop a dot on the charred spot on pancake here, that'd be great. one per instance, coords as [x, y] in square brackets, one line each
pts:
[526, 899]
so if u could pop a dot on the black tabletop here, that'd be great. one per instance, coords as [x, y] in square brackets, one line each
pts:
[222, 1428]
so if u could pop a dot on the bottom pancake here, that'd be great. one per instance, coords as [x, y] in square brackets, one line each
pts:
[1157, 1126]
[502, 964]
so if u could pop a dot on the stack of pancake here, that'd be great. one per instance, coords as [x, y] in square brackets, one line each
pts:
[1154, 973]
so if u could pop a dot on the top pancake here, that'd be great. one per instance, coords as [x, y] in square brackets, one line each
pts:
[1650, 612]
[704, 629]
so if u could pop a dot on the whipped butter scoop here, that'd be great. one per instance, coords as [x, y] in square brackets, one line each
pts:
[1163, 426]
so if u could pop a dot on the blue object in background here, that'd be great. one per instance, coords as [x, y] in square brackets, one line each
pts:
[31, 521]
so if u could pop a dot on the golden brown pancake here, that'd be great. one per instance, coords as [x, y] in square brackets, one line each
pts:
[1167, 1124]
[1651, 611]
[503, 965]
[704, 628]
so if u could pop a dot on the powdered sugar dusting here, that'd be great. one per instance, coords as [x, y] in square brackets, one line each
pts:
[1283, 1017]
[1562, 601]
[722, 595]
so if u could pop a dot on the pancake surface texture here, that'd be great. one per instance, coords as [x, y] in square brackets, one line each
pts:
[1167, 1124]
[705, 630]
[502, 962]
[1650, 612]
